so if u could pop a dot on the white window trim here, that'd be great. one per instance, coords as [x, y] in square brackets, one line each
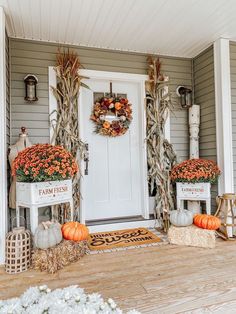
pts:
[3, 143]
[167, 124]
[224, 141]
[52, 100]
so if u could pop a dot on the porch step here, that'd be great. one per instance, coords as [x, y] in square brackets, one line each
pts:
[115, 220]
[121, 223]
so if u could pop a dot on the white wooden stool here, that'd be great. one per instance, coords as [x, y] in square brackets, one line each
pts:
[194, 192]
[41, 194]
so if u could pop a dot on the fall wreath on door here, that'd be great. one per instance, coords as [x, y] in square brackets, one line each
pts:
[112, 116]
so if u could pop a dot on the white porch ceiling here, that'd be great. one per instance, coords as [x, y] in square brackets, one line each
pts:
[168, 27]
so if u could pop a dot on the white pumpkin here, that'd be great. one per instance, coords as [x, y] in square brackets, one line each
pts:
[181, 217]
[47, 235]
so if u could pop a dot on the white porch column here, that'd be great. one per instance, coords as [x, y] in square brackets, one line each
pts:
[223, 115]
[3, 144]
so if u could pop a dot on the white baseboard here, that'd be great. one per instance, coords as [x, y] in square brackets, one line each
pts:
[151, 204]
[150, 223]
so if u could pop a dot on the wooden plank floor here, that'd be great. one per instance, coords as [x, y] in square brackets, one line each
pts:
[163, 279]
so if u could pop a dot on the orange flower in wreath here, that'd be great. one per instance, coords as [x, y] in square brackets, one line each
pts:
[118, 105]
[120, 108]
[106, 125]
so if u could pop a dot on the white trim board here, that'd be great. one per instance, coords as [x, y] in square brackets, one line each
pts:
[52, 101]
[118, 76]
[223, 115]
[3, 142]
[167, 124]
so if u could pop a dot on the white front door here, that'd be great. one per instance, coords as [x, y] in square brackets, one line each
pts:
[114, 186]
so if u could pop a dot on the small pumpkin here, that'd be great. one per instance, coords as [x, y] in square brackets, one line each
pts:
[207, 221]
[181, 217]
[75, 231]
[47, 235]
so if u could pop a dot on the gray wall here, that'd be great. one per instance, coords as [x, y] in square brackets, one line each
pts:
[203, 69]
[233, 102]
[35, 57]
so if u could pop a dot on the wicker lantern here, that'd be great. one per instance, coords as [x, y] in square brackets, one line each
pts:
[18, 250]
[226, 211]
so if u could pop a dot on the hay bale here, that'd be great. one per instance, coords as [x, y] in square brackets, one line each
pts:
[57, 257]
[192, 236]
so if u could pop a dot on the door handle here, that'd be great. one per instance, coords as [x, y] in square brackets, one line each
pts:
[86, 159]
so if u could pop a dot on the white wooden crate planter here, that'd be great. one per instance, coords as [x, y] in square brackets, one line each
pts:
[41, 194]
[194, 192]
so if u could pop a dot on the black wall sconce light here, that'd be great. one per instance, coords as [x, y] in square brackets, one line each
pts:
[185, 95]
[31, 82]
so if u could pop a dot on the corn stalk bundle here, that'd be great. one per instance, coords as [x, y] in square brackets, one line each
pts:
[160, 154]
[66, 128]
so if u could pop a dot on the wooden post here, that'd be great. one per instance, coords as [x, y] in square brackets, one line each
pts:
[224, 142]
[194, 122]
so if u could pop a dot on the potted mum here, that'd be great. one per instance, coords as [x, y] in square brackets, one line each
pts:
[194, 177]
[44, 173]
[195, 171]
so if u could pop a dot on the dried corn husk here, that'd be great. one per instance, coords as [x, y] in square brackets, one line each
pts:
[66, 128]
[160, 153]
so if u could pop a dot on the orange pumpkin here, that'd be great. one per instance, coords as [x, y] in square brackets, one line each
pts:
[75, 231]
[207, 221]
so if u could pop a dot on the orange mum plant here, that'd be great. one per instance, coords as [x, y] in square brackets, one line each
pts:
[195, 170]
[44, 162]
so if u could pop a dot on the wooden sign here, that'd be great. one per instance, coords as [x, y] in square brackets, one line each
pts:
[194, 190]
[39, 193]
